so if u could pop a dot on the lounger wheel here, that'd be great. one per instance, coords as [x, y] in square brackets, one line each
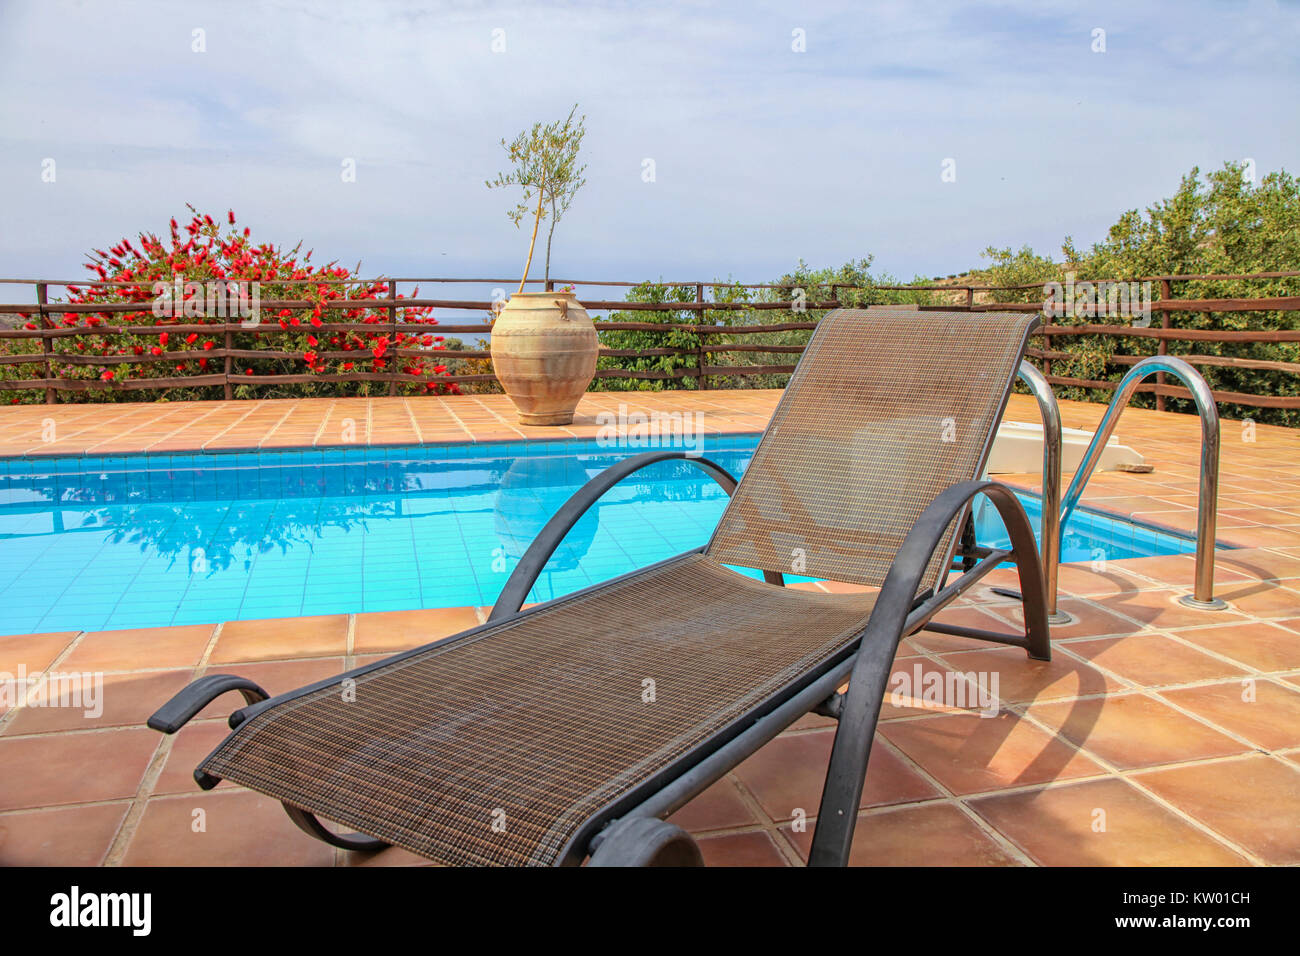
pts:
[308, 823]
[646, 841]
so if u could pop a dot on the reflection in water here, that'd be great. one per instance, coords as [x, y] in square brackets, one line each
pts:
[527, 499]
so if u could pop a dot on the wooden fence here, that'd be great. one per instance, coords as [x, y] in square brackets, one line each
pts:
[961, 296]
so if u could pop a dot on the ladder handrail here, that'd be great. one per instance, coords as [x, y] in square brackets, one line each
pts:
[1050, 411]
[1208, 499]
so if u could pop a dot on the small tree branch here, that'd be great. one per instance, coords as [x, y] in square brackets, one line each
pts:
[537, 221]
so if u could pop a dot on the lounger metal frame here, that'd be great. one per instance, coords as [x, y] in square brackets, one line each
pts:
[631, 831]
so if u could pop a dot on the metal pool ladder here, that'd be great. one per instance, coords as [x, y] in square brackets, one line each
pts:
[1056, 512]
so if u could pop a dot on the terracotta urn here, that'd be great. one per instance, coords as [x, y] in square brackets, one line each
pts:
[544, 355]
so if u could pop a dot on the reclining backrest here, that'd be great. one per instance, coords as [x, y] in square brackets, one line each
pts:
[886, 409]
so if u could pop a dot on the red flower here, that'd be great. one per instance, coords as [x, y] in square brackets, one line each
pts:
[191, 338]
[155, 351]
[106, 375]
[230, 214]
[162, 339]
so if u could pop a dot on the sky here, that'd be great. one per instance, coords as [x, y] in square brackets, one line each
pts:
[777, 131]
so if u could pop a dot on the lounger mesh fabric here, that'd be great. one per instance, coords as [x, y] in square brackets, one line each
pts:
[543, 719]
[886, 409]
[539, 722]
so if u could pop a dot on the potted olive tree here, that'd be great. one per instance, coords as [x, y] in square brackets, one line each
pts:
[543, 343]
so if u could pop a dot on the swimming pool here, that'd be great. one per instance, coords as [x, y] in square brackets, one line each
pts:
[155, 540]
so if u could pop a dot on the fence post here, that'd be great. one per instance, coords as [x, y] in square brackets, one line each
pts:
[47, 344]
[970, 297]
[1166, 292]
[701, 379]
[230, 344]
[392, 318]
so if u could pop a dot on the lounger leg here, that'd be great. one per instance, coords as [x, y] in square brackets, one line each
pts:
[858, 712]
[646, 841]
[308, 823]
[860, 709]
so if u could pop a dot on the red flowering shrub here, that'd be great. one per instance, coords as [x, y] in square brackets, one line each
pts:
[198, 258]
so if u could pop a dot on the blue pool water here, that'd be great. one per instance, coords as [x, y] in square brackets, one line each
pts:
[146, 541]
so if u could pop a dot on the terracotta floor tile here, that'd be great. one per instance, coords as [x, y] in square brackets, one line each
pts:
[67, 836]
[1260, 598]
[905, 691]
[787, 775]
[240, 828]
[33, 652]
[1022, 679]
[158, 647]
[1081, 580]
[393, 856]
[1132, 730]
[717, 808]
[1100, 823]
[282, 638]
[1254, 802]
[189, 747]
[741, 849]
[1266, 647]
[120, 700]
[1089, 619]
[1167, 569]
[52, 769]
[392, 631]
[1259, 564]
[1161, 609]
[933, 835]
[1152, 660]
[971, 754]
[1271, 719]
[274, 677]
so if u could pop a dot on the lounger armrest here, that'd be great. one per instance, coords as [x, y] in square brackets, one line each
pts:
[897, 600]
[548, 539]
[178, 711]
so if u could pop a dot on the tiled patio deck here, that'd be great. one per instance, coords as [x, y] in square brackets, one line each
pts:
[1157, 735]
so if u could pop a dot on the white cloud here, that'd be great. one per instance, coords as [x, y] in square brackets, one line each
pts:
[763, 155]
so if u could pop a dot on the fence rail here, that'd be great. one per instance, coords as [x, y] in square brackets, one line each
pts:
[226, 354]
